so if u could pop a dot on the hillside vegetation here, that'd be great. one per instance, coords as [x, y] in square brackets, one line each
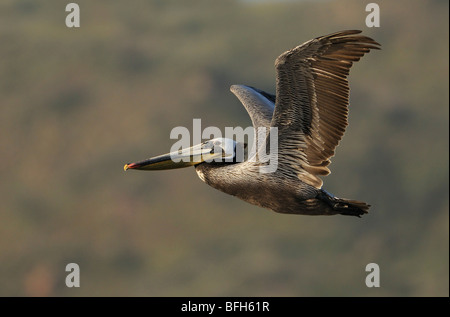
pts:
[76, 104]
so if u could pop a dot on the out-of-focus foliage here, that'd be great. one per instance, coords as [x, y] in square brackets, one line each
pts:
[76, 104]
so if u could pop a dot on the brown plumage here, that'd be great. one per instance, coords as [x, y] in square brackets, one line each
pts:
[310, 110]
[312, 98]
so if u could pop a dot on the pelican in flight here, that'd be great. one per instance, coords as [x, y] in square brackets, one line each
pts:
[309, 110]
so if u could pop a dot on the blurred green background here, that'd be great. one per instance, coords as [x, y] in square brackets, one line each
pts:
[76, 104]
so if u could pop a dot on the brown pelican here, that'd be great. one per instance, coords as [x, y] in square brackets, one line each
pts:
[310, 111]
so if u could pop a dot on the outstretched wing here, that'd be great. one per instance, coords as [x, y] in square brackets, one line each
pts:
[259, 105]
[312, 95]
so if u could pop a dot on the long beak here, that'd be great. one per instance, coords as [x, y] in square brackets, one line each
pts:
[178, 159]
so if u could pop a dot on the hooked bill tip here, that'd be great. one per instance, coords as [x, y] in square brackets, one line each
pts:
[125, 167]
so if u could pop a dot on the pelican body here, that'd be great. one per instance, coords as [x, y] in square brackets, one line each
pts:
[309, 109]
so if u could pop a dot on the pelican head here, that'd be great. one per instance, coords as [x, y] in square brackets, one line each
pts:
[218, 150]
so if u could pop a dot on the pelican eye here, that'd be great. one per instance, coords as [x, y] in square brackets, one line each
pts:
[216, 148]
